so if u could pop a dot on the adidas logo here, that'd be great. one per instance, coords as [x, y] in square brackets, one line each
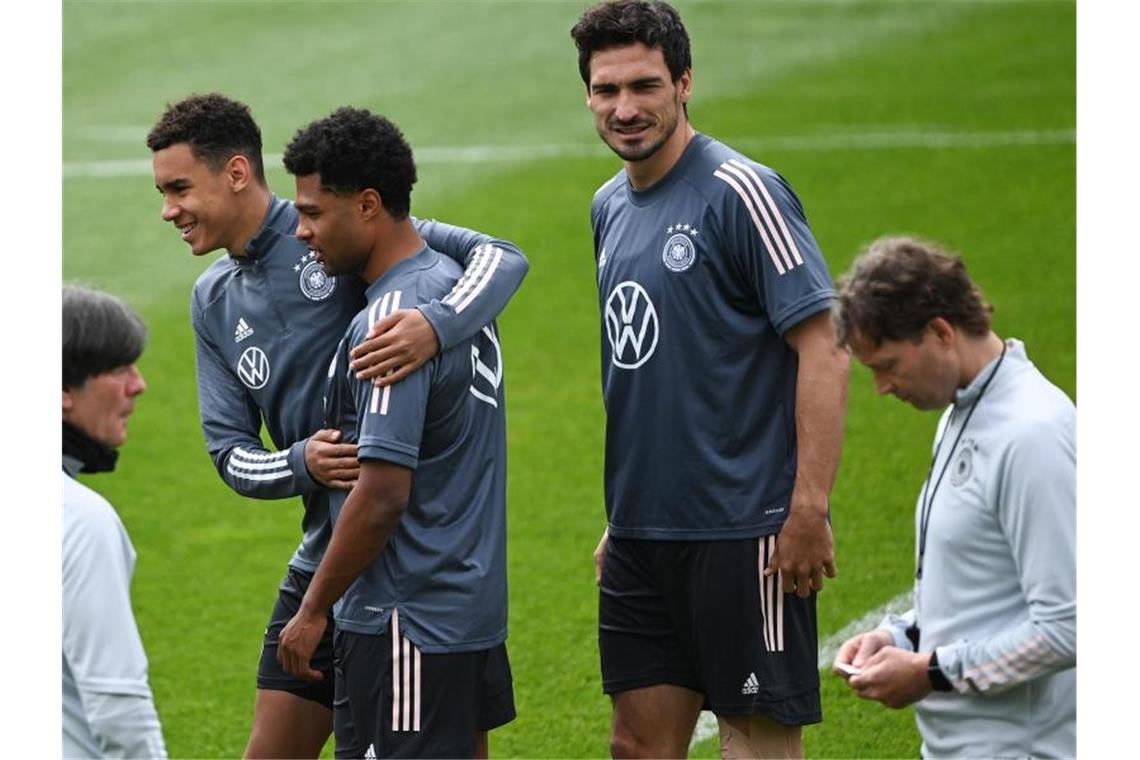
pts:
[751, 686]
[242, 331]
[370, 753]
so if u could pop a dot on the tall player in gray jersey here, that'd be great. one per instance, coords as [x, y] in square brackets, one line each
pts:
[419, 546]
[266, 318]
[725, 399]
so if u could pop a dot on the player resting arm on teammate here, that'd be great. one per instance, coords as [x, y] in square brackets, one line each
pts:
[400, 344]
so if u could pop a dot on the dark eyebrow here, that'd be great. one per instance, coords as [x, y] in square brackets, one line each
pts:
[642, 82]
[306, 208]
[175, 184]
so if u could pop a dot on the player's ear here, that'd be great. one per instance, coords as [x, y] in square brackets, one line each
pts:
[943, 331]
[369, 203]
[685, 85]
[238, 172]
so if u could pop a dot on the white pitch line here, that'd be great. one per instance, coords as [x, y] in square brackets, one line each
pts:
[479, 154]
[706, 724]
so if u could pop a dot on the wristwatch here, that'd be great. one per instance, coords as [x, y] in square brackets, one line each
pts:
[938, 680]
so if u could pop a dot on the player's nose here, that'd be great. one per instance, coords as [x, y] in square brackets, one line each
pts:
[626, 109]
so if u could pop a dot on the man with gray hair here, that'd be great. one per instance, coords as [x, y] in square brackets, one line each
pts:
[108, 709]
[988, 651]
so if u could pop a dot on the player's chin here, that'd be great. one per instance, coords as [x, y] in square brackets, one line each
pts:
[633, 150]
[201, 248]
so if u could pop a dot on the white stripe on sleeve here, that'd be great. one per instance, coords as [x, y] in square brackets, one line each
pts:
[755, 219]
[775, 209]
[471, 273]
[497, 256]
[747, 183]
[380, 309]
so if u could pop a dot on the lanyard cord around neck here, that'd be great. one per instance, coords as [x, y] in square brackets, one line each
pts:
[928, 503]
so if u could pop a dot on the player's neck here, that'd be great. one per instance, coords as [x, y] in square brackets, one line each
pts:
[394, 243]
[254, 203]
[648, 172]
[975, 354]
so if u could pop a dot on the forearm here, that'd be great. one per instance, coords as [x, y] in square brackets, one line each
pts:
[366, 522]
[1030, 650]
[821, 410]
[493, 270]
[257, 473]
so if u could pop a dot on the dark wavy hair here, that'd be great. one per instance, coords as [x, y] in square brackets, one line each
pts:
[898, 284]
[352, 150]
[100, 333]
[215, 127]
[623, 22]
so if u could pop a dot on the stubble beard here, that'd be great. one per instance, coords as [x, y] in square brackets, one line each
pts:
[640, 153]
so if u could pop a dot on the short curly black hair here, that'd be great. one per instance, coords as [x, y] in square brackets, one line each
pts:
[215, 127]
[623, 22]
[353, 149]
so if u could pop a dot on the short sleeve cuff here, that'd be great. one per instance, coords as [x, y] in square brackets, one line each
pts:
[808, 306]
[305, 482]
[388, 451]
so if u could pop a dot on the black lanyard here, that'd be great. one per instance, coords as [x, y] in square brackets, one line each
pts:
[928, 504]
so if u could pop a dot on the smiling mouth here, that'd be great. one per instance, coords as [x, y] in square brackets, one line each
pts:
[631, 130]
[186, 229]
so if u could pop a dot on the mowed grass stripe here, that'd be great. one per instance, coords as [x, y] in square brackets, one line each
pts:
[479, 154]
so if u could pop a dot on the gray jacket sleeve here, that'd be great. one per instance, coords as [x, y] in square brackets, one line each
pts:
[1036, 507]
[231, 423]
[897, 626]
[494, 269]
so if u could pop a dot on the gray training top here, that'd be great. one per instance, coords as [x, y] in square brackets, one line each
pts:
[108, 708]
[444, 566]
[265, 327]
[998, 597]
[699, 278]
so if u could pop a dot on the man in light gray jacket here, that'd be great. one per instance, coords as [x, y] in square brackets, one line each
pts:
[988, 651]
[108, 710]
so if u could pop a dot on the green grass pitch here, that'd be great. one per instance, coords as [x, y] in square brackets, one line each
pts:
[952, 120]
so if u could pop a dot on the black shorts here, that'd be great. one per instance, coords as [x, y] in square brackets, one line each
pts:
[699, 614]
[407, 704]
[270, 674]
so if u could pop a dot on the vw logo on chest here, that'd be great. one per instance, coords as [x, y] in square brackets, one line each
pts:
[631, 325]
[253, 368]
